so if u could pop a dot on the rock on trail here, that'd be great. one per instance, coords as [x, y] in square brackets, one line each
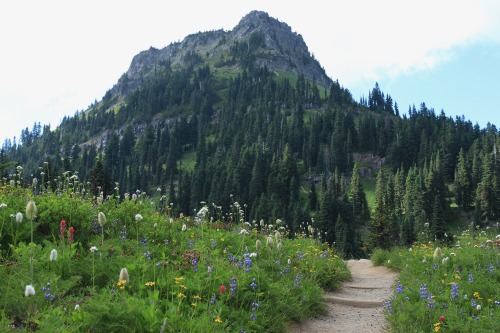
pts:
[358, 305]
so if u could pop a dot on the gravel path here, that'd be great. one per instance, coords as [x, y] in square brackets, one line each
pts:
[358, 305]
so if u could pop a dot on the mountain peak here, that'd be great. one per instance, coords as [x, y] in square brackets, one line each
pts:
[280, 49]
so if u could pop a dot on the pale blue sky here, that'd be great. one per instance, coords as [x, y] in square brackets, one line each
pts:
[59, 56]
[467, 84]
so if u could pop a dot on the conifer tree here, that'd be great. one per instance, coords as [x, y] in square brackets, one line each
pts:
[380, 226]
[357, 197]
[463, 183]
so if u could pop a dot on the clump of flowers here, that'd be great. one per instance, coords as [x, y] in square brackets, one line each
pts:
[222, 289]
[71, 235]
[31, 210]
[29, 290]
[121, 284]
[255, 306]
[62, 230]
[47, 292]
[124, 275]
[438, 254]
[53, 255]
[233, 286]
[454, 290]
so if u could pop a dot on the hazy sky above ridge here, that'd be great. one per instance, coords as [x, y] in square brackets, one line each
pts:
[59, 56]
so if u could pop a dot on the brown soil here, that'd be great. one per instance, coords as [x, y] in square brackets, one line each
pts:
[358, 305]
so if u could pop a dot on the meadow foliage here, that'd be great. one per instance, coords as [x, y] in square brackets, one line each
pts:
[444, 288]
[85, 264]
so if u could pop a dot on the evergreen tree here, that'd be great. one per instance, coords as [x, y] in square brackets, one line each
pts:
[357, 197]
[380, 227]
[463, 183]
[313, 197]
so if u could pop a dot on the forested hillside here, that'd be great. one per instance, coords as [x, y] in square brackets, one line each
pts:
[249, 123]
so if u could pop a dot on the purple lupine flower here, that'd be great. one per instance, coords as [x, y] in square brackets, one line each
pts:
[423, 291]
[454, 290]
[248, 262]
[399, 289]
[123, 233]
[232, 286]
[301, 255]
[298, 279]
[253, 285]
[253, 315]
[194, 262]
[47, 293]
[388, 306]
[212, 300]
[286, 270]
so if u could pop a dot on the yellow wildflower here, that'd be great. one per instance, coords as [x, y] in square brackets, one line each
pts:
[476, 295]
[121, 284]
[197, 297]
[458, 277]
[194, 305]
[437, 327]
[150, 283]
[181, 295]
[183, 286]
[218, 320]
[178, 279]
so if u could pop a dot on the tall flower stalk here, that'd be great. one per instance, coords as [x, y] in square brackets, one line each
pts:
[31, 214]
[31, 211]
[93, 249]
[101, 218]
[138, 217]
[28, 292]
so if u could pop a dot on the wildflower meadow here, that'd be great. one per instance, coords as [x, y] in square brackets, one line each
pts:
[72, 262]
[446, 287]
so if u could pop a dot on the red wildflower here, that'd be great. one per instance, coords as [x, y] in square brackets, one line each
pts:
[441, 319]
[222, 289]
[62, 229]
[71, 237]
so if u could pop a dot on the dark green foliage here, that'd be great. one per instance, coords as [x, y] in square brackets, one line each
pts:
[205, 132]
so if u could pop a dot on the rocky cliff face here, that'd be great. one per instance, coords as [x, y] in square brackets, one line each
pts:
[284, 50]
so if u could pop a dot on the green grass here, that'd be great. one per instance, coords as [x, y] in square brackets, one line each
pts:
[184, 274]
[457, 294]
[187, 162]
[369, 187]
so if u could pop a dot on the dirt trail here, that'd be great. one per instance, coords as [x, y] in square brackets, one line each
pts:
[358, 305]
